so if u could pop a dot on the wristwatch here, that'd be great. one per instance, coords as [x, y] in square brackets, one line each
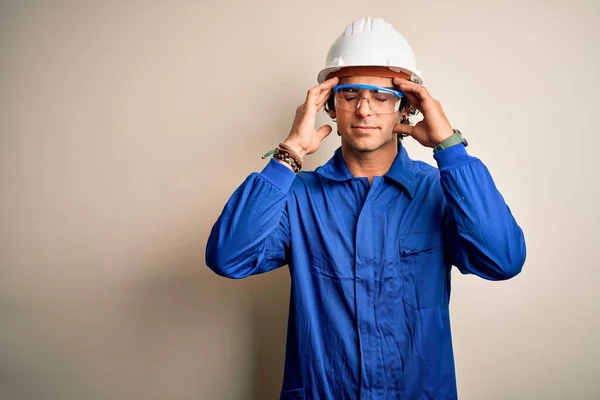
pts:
[455, 139]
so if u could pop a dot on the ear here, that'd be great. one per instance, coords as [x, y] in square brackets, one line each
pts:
[403, 113]
[330, 107]
[400, 116]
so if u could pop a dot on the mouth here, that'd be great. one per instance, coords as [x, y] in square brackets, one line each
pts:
[364, 128]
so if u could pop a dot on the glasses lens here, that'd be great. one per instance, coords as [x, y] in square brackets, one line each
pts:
[379, 100]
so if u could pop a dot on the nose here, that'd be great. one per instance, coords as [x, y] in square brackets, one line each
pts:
[363, 108]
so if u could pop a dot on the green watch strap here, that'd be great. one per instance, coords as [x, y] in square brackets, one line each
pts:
[456, 138]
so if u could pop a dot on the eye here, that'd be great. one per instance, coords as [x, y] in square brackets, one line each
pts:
[382, 99]
[349, 97]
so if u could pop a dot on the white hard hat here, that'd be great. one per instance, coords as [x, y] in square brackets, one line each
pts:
[371, 42]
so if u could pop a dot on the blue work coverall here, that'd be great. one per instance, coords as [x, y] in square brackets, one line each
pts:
[370, 267]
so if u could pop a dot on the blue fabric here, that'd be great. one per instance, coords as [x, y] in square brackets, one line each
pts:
[370, 267]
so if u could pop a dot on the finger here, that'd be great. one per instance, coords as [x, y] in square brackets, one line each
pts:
[324, 94]
[407, 87]
[398, 81]
[320, 105]
[324, 86]
[403, 129]
[417, 96]
[314, 93]
[331, 82]
[322, 99]
[324, 131]
[413, 100]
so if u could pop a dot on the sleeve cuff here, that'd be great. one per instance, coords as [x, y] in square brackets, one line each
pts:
[278, 175]
[452, 157]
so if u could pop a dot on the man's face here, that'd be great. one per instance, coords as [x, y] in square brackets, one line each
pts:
[362, 129]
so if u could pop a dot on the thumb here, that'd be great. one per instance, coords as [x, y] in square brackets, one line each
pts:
[403, 129]
[324, 131]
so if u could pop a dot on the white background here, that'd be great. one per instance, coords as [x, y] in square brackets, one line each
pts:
[125, 126]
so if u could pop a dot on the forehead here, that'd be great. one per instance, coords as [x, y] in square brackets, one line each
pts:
[367, 80]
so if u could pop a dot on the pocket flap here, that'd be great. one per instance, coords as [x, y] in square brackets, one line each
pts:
[419, 242]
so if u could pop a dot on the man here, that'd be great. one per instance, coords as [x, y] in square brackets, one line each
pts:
[369, 237]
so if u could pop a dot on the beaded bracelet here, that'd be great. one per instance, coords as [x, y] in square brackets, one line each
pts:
[285, 157]
[284, 153]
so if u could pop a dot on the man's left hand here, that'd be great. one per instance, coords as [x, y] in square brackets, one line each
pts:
[434, 127]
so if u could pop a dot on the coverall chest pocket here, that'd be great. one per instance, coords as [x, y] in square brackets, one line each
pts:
[423, 270]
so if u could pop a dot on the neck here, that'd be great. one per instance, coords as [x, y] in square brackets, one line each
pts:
[370, 163]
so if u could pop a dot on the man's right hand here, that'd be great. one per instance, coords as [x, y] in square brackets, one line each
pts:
[304, 138]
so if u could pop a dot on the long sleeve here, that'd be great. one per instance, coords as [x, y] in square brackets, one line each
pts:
[481, 234]
[252, 236]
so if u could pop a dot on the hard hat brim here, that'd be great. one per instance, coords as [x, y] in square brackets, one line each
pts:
[368, 70]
